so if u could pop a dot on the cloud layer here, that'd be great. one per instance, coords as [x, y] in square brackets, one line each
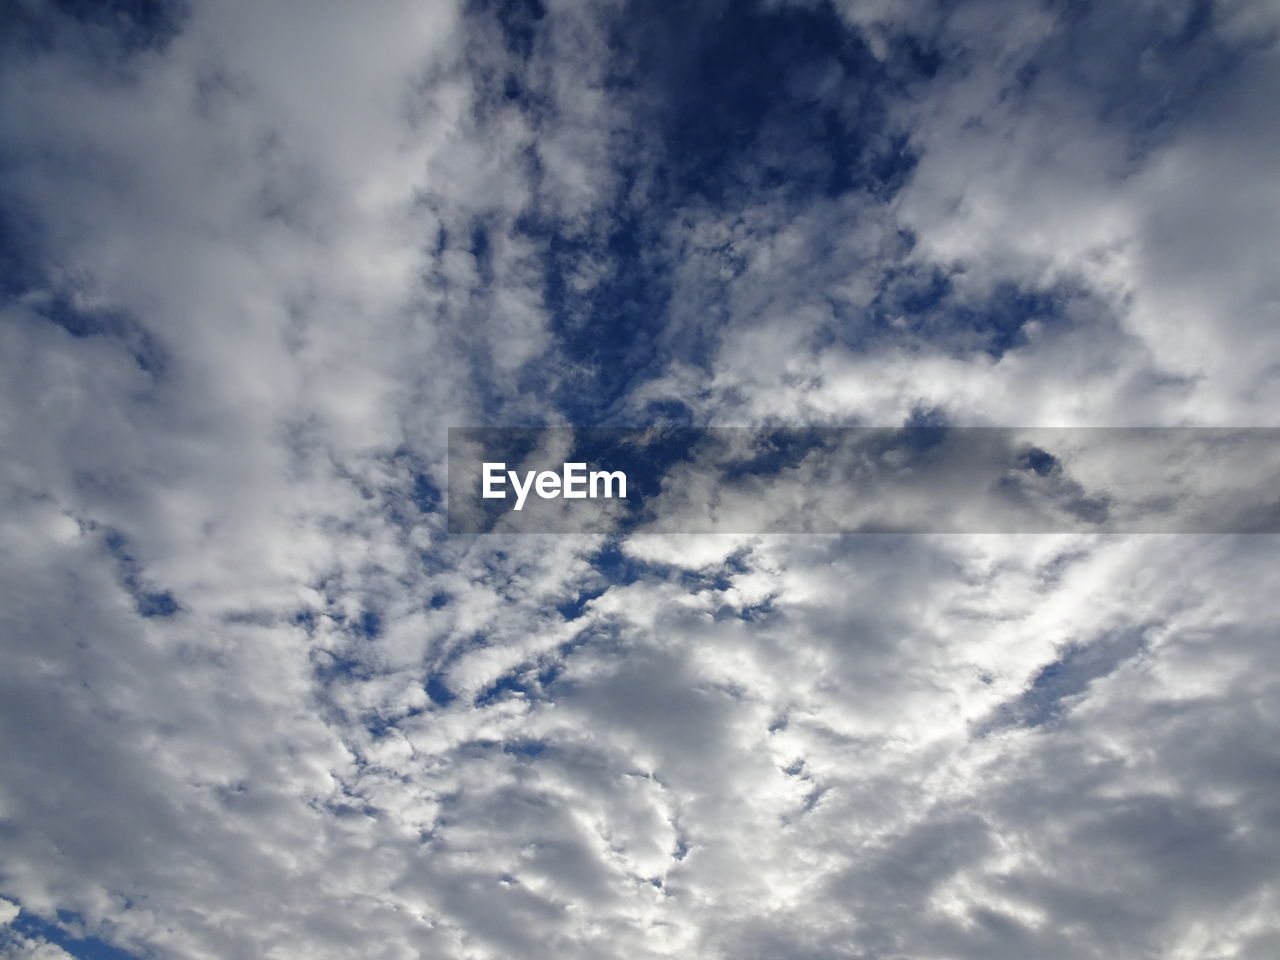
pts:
[257, 702]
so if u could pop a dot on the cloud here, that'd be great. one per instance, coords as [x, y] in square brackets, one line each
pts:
[257, 702]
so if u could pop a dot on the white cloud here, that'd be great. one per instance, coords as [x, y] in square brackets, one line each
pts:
[749, 747]
[26, 948]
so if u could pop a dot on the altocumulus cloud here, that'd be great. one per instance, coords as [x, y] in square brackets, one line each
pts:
[257, 703]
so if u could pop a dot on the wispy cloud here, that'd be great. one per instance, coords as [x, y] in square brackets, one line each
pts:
[257, 702]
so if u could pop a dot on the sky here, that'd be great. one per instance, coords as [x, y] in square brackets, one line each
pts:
[258, 702]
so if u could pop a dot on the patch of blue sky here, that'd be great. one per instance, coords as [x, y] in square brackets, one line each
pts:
[727, 103]
[149, 602]
[920, 304]
[1052, 690]
[438, 689]
[512, 684]
[136, 26]
[24, 279]
[81, 947]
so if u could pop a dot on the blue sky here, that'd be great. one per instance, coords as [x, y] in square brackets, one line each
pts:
[255, 259]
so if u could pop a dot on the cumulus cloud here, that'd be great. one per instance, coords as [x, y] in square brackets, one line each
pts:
[258, 702]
